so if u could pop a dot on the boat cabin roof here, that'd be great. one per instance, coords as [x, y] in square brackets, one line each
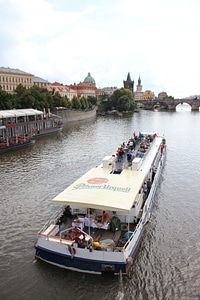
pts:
[99, 188]
[13, 113]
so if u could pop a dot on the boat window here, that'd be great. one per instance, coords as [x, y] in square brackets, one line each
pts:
[117, 171]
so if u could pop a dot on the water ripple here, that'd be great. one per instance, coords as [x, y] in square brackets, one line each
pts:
[167, 263]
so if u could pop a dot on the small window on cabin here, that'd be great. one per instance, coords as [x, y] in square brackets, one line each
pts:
[117, 171]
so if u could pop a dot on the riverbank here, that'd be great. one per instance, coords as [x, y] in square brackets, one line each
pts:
[75, 115]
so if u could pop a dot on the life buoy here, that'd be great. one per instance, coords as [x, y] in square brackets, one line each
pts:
[81, 236]
[72, 234]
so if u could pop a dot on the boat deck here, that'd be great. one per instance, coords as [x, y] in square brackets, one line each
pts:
[99, 234]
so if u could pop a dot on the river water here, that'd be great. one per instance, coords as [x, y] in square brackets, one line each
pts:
[167, 265]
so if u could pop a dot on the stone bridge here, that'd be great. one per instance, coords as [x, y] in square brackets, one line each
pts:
[168, 104]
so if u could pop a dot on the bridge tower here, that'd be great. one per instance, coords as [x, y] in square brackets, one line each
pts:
[128, 83]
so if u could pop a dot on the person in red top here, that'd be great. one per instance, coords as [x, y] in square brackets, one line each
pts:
[162, 148]
[105, 217]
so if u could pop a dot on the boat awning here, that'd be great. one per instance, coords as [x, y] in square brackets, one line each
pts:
[12, 113]
[99, 189]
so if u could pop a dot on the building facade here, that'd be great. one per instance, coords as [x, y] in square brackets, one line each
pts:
[148, 95]
[162, 95]
[87, 88]
[63, 90]
[11, 78]
[40, 82]
[108, 91]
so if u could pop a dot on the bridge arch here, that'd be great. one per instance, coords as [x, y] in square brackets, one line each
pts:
[168, 104]
[184, 106]
[193, 103]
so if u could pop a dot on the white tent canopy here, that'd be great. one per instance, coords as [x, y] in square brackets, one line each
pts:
[13, 113]
[99, 189]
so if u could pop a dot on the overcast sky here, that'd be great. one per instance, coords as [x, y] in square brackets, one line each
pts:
[63, 40]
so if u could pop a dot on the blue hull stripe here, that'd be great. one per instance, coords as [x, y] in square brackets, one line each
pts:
[77, 263]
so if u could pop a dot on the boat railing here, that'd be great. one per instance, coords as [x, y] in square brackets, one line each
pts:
[147, 205]
[148, 150]
[133, 234]
[64, 232]
[52, 221]
[50, 233]
[86, 236]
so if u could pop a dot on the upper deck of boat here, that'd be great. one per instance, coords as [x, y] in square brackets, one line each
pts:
[134, 157]
[118, 177]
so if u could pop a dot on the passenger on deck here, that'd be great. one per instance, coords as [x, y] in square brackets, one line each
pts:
[129, 155]
[162, 149]
[153, 173]
[105, 217]
[92, 214]
[68, 211]
[133, 154]
[131, 144]
[80, 223]
[145, 190]
[148, 186]
[95, 224]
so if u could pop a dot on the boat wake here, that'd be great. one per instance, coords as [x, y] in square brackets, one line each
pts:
[120, 294]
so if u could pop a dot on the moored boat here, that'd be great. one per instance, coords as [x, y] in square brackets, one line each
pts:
[16, 144]
[48, 123]
[19, 126]
[79, 237]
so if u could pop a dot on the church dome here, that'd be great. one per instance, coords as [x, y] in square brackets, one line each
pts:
[90, 79]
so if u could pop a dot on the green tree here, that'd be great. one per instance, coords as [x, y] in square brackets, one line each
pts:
[20, 89]
[22, 97]
[104, 103]
[84, 103]
[57, 100]
[122, 100]
[75, 103]
[66, 102]
[5, 100]
[26, 100]
[41, 98]
[92, 100]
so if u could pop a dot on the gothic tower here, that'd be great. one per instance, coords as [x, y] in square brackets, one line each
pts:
[139, 86]
[139, 93]
[128, 84]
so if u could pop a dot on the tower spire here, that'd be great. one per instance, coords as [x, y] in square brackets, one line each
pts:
[128, 83]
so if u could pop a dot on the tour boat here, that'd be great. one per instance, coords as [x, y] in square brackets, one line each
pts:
[123, 185]
[19, 126]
